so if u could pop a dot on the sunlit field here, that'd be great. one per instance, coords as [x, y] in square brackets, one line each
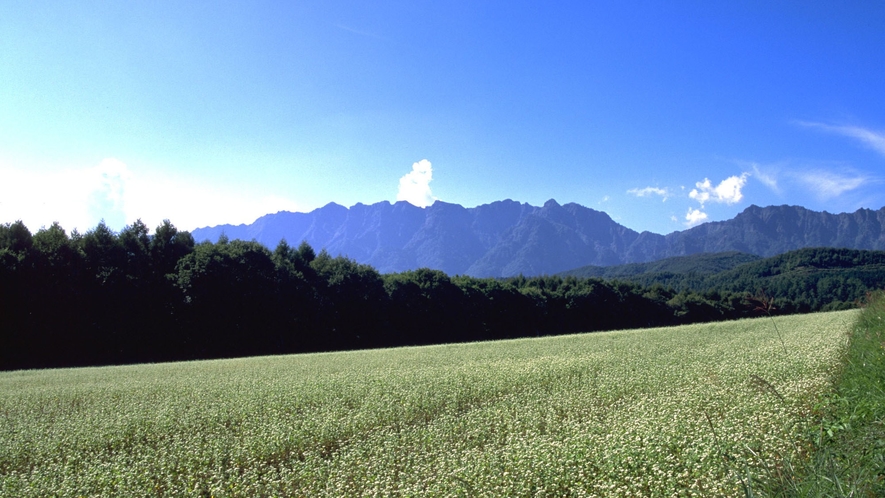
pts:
[697, 410]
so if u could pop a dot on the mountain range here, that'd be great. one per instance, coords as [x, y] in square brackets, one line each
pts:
[508, 238]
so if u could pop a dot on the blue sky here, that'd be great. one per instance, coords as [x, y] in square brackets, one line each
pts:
[662, 114]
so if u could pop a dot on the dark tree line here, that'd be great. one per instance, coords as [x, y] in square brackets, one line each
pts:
[111, 298]
[91, 298]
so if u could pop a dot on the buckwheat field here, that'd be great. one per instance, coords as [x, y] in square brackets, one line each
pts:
[699, 410]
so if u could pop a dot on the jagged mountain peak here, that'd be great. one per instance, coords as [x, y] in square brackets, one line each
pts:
[506, 238]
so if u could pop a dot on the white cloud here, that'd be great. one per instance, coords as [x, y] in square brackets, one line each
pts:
[648, 191]
[108, 199]
[39, 200]
[827, 184]
[702, 195]
[872, 139]
[695, 216]
[414, 187]
[80, 198]
[728, 191]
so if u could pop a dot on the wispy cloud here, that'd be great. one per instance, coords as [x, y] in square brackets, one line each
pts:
[767, 178]
[870, 138]
[649, 191]
[828, 184]
[766, 174]
[728, 191]
[359, 32]
[414, 186]
[825, 180]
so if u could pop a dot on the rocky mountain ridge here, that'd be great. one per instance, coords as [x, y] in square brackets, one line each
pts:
[508, 238]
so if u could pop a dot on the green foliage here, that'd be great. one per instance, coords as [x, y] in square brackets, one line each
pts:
[803, 280]
[55, 250]
[810, 279]
[104, 255]
[229, 289]
[168, 246]
[353, 302]
[16, 238]
[16, 244]
[305, 252]
[698, 264]
[70, 299]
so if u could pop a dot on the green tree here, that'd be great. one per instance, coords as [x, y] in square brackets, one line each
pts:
[104, 256]
[228, 293]
[353, 301]
[136, 243]
[17, 289]
[167, 247]
[16, 244]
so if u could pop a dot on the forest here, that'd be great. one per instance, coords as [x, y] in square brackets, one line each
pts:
[134, 296]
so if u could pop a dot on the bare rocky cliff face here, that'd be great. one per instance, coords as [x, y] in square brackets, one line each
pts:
[508, 238]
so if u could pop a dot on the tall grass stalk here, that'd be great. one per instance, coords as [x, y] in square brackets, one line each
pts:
[848, 444]
[763, 303]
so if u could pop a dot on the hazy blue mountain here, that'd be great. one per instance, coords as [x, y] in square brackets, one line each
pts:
[508, 238]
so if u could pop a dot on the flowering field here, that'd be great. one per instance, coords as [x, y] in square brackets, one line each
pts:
[696, 410]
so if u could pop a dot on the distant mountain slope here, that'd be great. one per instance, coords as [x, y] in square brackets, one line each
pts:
[822, 270]
[508, 238]
[776, 229]
[702, 264]
[808, 278]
